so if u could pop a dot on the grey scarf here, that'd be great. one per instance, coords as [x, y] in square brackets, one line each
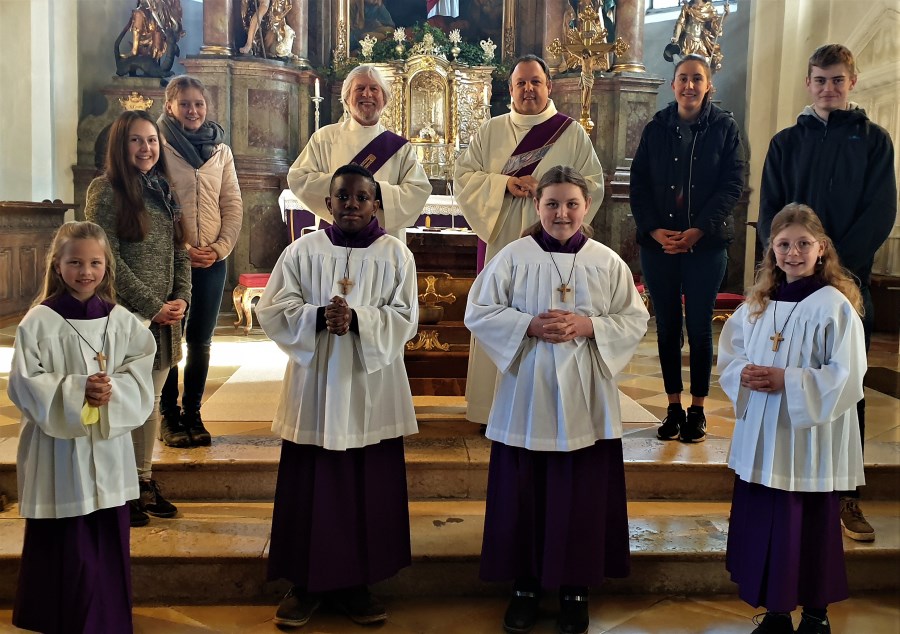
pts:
[195, 147]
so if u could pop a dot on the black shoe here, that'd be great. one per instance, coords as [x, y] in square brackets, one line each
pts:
[672, 423]
[137, 516]
[171, 430]
[773, 623]
[152, 501]
[358, 604]
[694, 428]
[194, 425]
[296, 608]
[573, 613]
[522, 612]
[810, 624]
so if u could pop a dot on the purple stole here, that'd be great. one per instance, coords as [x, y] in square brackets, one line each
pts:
[534, 147]
[379, 151]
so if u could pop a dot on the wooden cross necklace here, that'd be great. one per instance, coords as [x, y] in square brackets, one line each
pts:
[99, 356]
[346, 283]
[564, 288]
[776, 339]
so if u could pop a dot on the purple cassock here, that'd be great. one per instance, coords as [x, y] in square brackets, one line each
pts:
[75, 574]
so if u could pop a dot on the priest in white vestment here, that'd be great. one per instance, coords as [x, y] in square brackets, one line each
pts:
[497, 205]
[404, 185]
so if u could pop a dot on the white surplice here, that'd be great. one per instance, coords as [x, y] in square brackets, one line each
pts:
[805, 438]
[348, 391]
[404, 184]
[499, 218]
[556, 397]
[64, 467]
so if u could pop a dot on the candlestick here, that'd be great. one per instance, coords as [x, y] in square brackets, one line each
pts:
[317, 100]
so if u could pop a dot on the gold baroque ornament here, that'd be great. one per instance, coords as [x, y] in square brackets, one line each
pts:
[428, 340]
[135, 101]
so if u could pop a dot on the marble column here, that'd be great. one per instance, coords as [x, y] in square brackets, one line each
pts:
[218, 36]
[298, 19]
[630, 27]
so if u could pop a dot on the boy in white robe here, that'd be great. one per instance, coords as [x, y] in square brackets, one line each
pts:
[342, 303]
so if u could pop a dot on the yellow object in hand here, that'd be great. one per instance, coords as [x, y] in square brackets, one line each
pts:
[90, 415]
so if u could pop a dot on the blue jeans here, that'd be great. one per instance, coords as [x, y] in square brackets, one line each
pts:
[207, 286]
[697, 276]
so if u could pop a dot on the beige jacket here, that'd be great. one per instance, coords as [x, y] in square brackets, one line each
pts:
[210, 199]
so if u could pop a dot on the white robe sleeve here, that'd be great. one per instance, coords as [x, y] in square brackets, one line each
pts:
[499, 328]
[131, 402]
[732, 359]
[403, 201]
[818, 396]
[310, 178]
[284, 314]
[618, 333]
[480, 193]
[384, 330]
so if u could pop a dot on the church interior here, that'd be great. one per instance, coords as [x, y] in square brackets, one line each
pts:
[66, 77]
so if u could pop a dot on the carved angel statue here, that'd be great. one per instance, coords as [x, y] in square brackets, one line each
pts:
[155, 27]
[268, 33]
[697, 30]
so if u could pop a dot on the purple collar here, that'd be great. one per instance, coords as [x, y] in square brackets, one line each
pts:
[799, 290]
[552, 245]
[70, 308]
[359, 240]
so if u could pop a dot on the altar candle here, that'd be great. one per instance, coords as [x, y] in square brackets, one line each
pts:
[317, 87]
[457, 144]
[484, 95]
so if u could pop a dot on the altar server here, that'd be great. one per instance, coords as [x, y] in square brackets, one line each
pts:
[496, 179]
[559, 315]
[342, 304]
[362, 139]
[81, 377]
[792, 360]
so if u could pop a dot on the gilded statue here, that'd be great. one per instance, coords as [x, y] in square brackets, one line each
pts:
[155, 27]
[268, 33]
[697, 31]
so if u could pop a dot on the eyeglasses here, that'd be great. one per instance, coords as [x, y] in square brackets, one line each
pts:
[803, 246]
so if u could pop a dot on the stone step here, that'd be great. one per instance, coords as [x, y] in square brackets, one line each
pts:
[449, 457]
[216, 552]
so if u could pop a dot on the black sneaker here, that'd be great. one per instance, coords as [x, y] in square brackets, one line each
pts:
[152, 502]
[358, 604]
[194, 426]
[773, 623]
[574, 617]
[296, 608]
[522, 612]
[694, 428]
[810, 624]
[171, 431]
[671, 424]
[137, 516]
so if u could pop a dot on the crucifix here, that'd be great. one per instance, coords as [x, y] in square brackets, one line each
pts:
[101, 361]
[776, 341]
[563, 290]
[586, 46]
[346, 284]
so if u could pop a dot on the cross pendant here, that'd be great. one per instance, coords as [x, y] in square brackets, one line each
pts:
[101, 361]
[563, 291]
[346, 284]
[776, 341]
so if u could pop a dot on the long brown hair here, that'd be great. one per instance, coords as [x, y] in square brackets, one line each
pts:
[177, 84]
[54, 285]
[132, 219]
[704, 63]
[769, 277]
[560, 175]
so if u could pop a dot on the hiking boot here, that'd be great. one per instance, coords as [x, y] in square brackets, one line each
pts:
[854, 523]
[296, 608]
[194, 426]
[773, 623]
[358, 604]
[671, 424]
[694, 427]
[574, 617]
[522, 612]
[171, 430]
[136, 516]
[152, 502]
[810, 624]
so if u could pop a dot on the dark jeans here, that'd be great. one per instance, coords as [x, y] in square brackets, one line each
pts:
[697, 276]
[207, 286]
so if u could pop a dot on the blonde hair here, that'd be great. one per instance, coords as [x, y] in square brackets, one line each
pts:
[769, 277]
[183, 82]
[54, 285]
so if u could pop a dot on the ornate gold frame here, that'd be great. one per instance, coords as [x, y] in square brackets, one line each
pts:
[341, 31]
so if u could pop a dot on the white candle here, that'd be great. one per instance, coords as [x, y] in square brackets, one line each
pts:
[484, 95]
[317, 87]
[457, 144]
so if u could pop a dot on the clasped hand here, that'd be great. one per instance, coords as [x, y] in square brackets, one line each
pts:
[522, 186]
[677, 241]
[762, 378]
[171, 312]
[337, 316]
[202, 257]
[557, 326]
[98, 389]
